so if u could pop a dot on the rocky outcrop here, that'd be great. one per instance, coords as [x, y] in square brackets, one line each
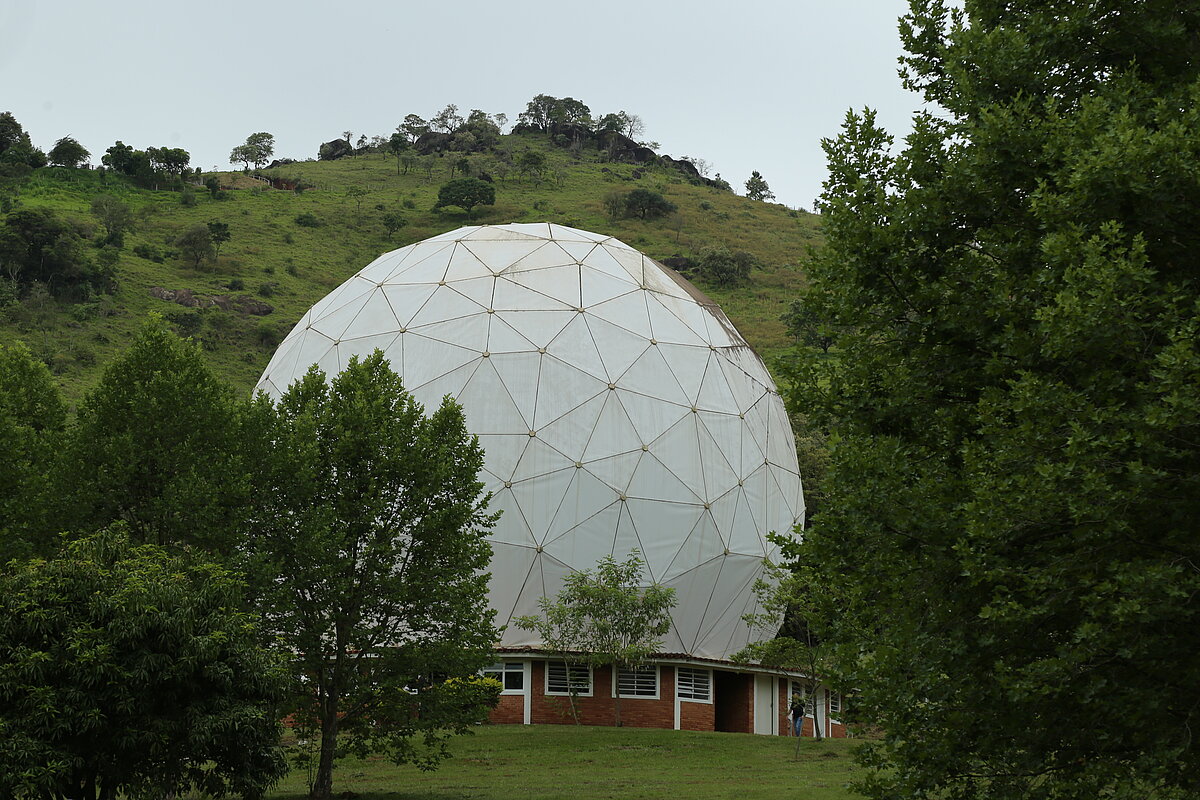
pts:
[241, 303]
[432, 142]
[335, 149]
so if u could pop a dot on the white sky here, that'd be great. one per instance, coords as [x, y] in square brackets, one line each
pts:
[751, 84]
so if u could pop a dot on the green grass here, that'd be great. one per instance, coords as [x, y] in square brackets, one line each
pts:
[291, 266]
[549, 762]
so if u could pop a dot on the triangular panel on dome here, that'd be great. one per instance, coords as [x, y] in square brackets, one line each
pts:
[477, 290]
[699, 543]
[727, 430]
[589, 539]
[715, 394]
[662, 528]
[500, 255]
[616, 471]
[554, 574]
[598, 287]
[510, 569]
[653, 481]
[719, 475]
[614, 433]
[347, 290]
[374, 317]
[427, 359]
[567, 233]
[627, 538]
[539, 458]
[720, 331]
[756, 419]
[283, 366]
[501, 452]
[743, 519]
[628, 311]
[560, 283]
[687, 363]
[746, 391]
[567, 388]
[723, 510]
[519, 373]
[578, 249]
[658, 281]
[789, 487]
[650, 416]
[469, 333]
[689, 311]
[430, 393]
[746, 540]
[337, 318]
[618, 347]
[512, 296]
[539, 327]
[454, 235]
[540, 497]
[379, 269]
[781, 442]
[629, 259]
[601, 259]
[425, 262]
[503, 338]
[574, 345]
[756, 487]
[751, 364]
[446, 304]
[696, 584]
[549, 255]
[364, 346]
[463, 265]
[487, 404]
[533, 590]
[585, 497]
[406, 299]
[651, 375]
[779, 513]
[669, 328]
[569, 433]
[723, 615]
[679, 450]
[513, 529]
[516, 231]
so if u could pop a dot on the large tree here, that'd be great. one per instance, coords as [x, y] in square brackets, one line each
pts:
[128, 672]
[373, 527]
[1015, 475]
[257, 150]
[67, 152]
[466, 193]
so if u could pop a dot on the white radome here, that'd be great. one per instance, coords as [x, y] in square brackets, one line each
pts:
[618, 408]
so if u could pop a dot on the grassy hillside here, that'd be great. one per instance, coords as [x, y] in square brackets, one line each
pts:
[290, 266]
[556, 761]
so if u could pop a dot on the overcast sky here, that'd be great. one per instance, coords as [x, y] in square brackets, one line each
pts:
[745, 84]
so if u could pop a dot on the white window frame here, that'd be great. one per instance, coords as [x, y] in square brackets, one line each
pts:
[686, 699]
[504, 668]
[616, 680]
[568, 668]
[835, 704]
[804, 689]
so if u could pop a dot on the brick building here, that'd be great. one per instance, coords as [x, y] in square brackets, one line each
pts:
[675, 692]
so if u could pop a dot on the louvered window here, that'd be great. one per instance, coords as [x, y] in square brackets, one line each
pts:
[693, 684]
[637, 681]
[563, 678]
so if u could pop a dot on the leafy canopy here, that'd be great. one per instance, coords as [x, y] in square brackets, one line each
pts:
[1015, 475]
[466, 193]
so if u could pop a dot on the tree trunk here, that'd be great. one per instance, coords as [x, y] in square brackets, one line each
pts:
[617, 703]
[322, 788]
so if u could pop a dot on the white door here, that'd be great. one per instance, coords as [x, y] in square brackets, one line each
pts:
[765, 705]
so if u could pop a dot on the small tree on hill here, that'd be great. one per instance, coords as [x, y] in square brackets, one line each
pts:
[218, 234]
[648, 204]
[129, 672]
[722, 267]
[68, 153]
[257, 150]
[116, 217]
[196, 244]
[605, 617]
[757, 188]
[393, 221]
[466, 193]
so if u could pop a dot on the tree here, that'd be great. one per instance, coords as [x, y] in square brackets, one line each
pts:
[808, 329]
[393, 221]
[466, 193]
[532, 162]
[396, 145]
[218, 234]
[648, 204]
[757, 188]
[447, 120]
[127, 671]
[605, 617]
[724, 268]
[157, 446]
[1014, 476]
[196, 244]
[116, 217]
[356, 193]
[67, 152]
[32, 418]
[38, 245]
[539, 112]
[373, 527]
[412, 127]
[171, 160]
[124, 159]
[257, 150]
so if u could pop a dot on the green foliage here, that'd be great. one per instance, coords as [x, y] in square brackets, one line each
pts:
[16, 149]
[373, 535]
[307, 220]
[67, 152]
[648, 204]
[36, 245]
[171, 160]
[125, 671]
[32, 417]
[218, 234]
[466, 193]
[757, 188]
[393, 221]
[604, 617]
[257, 150]
[721, 267]
[1015, 478]
[155, 446]
[196, 245]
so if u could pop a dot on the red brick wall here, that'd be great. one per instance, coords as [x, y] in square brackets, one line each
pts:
[836, 729]
[510, 711]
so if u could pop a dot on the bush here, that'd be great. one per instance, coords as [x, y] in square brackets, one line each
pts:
[268, 289]
[148, 252]
[721, 267]
[647, 204]
[187, 197]
[307, 220]
[235, 284]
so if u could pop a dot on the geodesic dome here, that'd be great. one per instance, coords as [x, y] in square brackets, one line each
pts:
[617, 405]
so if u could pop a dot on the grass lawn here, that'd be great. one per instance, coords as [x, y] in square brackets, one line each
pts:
[513, 762]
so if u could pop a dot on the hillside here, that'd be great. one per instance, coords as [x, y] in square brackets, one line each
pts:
[272, 259]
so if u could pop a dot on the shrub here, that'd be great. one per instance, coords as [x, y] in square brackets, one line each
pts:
[719, 266]
[647, 204]
[148, 252]
[307, 220]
